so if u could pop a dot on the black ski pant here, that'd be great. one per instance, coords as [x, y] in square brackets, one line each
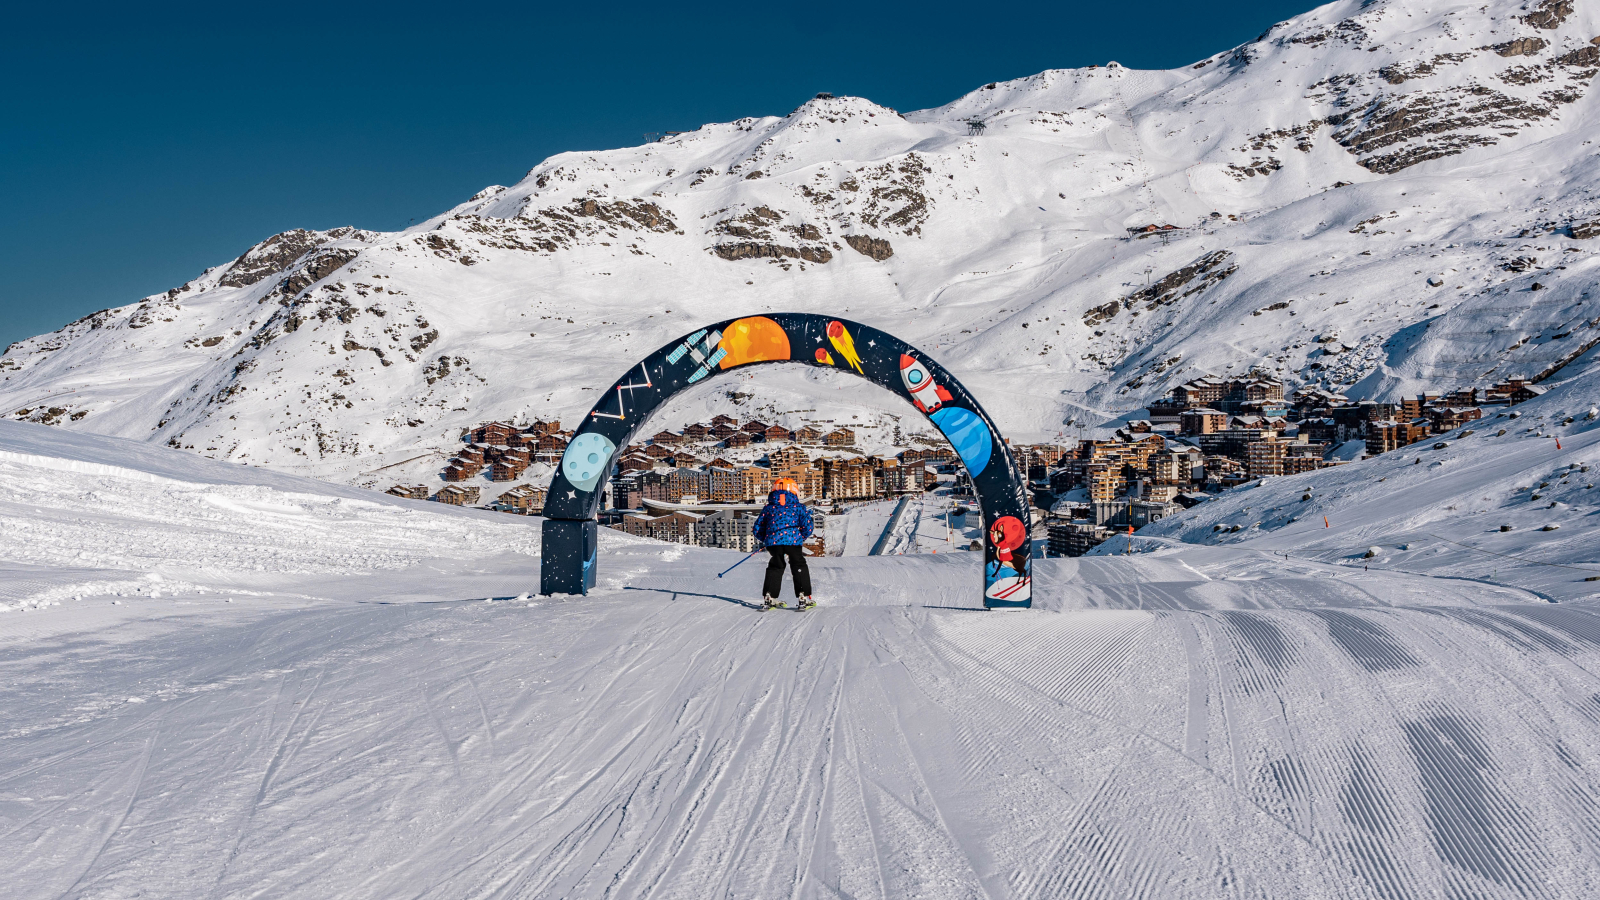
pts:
[797, 563]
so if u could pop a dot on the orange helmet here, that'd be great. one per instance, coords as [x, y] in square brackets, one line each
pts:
[787, 484]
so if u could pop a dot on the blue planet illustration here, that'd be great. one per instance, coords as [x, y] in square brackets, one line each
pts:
[586, 458]
[967, 433]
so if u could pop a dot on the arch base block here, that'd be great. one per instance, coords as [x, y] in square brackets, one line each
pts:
[567, 556]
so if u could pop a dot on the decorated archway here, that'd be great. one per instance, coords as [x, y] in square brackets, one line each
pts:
[570, 530]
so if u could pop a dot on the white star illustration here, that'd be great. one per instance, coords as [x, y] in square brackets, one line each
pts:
[872, 343]
[572, 495]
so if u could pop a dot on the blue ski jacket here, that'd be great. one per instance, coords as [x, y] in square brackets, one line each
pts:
[785, 522]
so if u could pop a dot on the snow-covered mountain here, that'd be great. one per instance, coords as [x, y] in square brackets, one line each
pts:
[1386, 196]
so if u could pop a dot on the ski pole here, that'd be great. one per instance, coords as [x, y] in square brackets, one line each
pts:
[739, 563]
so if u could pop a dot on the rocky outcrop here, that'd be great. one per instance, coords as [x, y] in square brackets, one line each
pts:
[755, 236]
[315, 270]
[1584, 230]
[871, 247]
[1526, 46]
[1583, 56]
[278, 253]
[1549, 14]
[1197, 276]
[755, 250]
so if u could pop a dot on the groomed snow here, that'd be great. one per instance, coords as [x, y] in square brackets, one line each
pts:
[320, 701]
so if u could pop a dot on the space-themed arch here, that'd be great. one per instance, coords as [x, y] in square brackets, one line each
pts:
[570, 530]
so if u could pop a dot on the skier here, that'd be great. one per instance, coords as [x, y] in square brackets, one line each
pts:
[781, 528]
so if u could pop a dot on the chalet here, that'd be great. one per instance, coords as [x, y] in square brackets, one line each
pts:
[1501, 393]
[777, 433]
[931, 455]
[658, 451]
[493, 433]
[727, 420]
[840, 437]
[721, 463]
[456, 495]
[1525, 392]
[1311, 401]
[506, 471]
[541, 427]
[524, 498]
[1140, 231]
[1253, 394]
[666, 437]
[736, 440]
[754, 428]
[788, 457]
[1199, 392]
[410, 492]
[721, 431]
[472, 453]
[808, 434]
[554, 442]
[1447, 418]
[697, 432]
[459, 470]
[636, 464]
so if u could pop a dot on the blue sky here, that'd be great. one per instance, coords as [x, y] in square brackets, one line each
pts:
[139, 145]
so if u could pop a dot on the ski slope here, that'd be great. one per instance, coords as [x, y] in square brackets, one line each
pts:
[226, 682]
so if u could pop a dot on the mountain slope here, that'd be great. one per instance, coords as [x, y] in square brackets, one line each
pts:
[1464, 136]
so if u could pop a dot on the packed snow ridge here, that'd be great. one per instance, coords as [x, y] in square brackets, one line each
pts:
[1395, 175]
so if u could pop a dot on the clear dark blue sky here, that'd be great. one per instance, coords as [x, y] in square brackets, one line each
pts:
[139, 145]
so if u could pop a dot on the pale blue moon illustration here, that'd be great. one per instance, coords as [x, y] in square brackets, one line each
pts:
[584, 463]
[967, 433]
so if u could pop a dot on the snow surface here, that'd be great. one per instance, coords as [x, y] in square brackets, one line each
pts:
[223, 681]
[359, 356]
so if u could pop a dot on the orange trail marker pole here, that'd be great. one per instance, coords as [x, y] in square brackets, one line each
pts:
[1558, 443]
[1325, 522]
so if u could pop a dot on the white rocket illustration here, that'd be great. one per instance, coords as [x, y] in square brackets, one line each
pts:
[925, 393]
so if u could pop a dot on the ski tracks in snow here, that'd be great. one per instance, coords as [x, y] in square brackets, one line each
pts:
[665, 742]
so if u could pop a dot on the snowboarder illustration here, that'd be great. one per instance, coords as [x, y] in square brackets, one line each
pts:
[784, 524]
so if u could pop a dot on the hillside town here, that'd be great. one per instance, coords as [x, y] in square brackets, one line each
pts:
[1212, 434]
[703, 485]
